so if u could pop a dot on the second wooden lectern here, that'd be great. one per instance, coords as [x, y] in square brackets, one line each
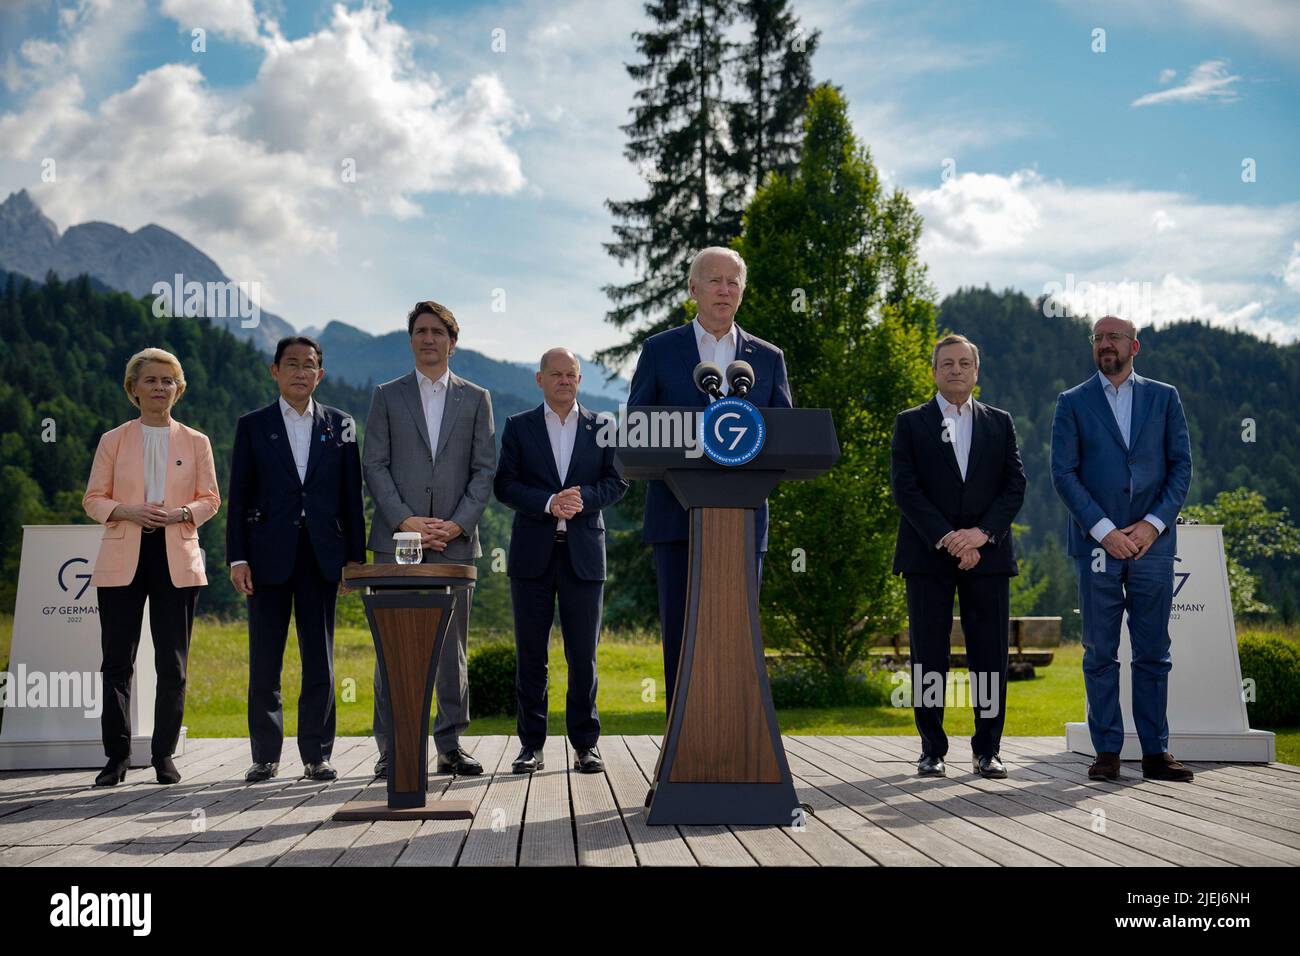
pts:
[722, 761]
[409, 607]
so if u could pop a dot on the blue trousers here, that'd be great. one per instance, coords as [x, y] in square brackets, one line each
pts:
[1145, 589]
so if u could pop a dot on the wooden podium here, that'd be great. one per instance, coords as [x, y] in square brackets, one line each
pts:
[409, 607]
[722, 761]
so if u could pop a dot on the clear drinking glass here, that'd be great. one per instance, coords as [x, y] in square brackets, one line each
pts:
[408, 550]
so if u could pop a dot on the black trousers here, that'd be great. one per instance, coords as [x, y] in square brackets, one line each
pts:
[171, 619]
[985, 620]
[580, 612]
[672, 574]
[311, 598]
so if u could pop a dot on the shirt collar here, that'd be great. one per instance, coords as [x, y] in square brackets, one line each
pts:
[286, 409]
[421, 378]
[966, 406]
[549, 412]
[1106, 383]
[701, 331]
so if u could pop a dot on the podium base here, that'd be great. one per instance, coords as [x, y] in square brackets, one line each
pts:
[73, 754]
[380, 810]
[740, 804]
[1246, 746]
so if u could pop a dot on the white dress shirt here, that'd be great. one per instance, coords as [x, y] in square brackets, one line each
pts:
[959, 425]
[433, 396]
[1121, 406]
[563, 433]
[722, 352]
[155, 461]
[297, 429]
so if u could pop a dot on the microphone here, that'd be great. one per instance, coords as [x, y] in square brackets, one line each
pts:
[708, 379]
[740, 377]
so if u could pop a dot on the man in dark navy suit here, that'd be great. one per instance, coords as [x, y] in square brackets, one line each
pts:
[557, 479]
[957, 480]
[295, 519]
[664, 376]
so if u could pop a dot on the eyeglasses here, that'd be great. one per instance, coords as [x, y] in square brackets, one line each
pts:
[1114, 338]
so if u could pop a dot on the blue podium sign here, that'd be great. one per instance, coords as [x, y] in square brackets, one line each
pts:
[732, 431]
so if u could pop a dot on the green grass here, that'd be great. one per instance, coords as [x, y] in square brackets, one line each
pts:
[218, 686]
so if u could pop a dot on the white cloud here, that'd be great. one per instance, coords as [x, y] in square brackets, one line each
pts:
[232, 18]
[1194, 260]
[1167, 75]
[1208, 81]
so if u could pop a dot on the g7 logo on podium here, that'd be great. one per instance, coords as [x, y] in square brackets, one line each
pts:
[732, 431]
[83, 577]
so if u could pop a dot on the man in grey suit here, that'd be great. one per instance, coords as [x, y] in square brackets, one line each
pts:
[430, 456]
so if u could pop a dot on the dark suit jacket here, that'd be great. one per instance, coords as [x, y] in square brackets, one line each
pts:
[664, 376]
[264, 486]
[1097, 476]
[929, 490]
[526, 477]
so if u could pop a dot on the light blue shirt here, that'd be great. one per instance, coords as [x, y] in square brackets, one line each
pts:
[1121, 406]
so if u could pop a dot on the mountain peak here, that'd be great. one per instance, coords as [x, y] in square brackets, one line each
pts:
[27, 235]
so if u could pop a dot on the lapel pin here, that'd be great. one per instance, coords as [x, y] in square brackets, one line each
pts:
[178, 461]
[274, 436]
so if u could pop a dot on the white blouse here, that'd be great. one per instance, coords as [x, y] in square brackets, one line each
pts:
[155, 461]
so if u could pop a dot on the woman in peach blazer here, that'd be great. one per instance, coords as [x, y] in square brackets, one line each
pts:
[152, 484]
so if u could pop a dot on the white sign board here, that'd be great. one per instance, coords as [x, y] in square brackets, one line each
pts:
[53, 692]
[1206, 707]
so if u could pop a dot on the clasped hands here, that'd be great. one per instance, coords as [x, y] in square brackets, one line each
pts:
[148, 515]
[566, 503]
[434, 532]
[964, 545]
[1131, 542]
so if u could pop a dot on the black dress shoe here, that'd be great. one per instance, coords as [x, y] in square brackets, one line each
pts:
[261, 771]
[588, 761]
[989, 766]
[1105, 766]
[929, 766]
[1165, 767]
[459, 762]
[528, 761]
[381, 767]
[114, 772]
[166, 770]
[319, 771]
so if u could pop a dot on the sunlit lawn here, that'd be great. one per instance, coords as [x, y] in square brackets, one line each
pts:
[216, 703]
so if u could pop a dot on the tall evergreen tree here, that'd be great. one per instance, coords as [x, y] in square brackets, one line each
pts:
[774, 74]
[836, 279]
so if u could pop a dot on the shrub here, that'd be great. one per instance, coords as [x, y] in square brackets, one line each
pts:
[802, 683]
[1274, 665]
[492, 680]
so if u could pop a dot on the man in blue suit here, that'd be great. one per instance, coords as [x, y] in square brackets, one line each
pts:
[664, 376]
[557, 479]
[295, 519]
[1122, 463]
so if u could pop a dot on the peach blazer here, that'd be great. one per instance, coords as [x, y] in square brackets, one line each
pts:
[117, 477]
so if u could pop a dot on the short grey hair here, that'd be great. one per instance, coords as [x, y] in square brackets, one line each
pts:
[697, 263]
[954, 340]
[549, 352]
[1132, 329]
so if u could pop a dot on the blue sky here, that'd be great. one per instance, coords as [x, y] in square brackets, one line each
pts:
[481, 174]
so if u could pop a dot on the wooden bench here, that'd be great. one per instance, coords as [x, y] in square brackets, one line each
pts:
[1027, 642]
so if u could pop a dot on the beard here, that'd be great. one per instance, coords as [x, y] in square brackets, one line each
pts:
[1112, 364]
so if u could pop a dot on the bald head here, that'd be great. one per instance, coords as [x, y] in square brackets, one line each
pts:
[558, 354]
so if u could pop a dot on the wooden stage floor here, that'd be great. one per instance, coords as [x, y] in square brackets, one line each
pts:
[868, 809]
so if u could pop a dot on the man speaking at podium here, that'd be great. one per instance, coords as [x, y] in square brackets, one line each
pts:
[665, 376]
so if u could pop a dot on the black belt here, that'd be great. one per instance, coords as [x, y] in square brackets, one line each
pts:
[561, 536]
[302, 522]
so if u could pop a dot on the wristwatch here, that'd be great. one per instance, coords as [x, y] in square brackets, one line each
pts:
[185, 514]
[990, 535]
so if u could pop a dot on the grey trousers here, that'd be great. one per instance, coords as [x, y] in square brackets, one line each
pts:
[451, 681]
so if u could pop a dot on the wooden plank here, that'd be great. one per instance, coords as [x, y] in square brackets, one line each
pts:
[711, 846]
[493, 838]
[653, 846]
[439, 842]
[601, 836]
[547, 839]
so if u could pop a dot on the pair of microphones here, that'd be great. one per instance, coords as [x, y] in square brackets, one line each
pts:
[709, 378]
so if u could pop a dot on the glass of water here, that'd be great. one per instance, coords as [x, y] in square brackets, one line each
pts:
[409, 550]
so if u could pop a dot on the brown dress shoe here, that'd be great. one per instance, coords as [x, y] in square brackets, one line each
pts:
[1165, 767]
[1105, 767]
